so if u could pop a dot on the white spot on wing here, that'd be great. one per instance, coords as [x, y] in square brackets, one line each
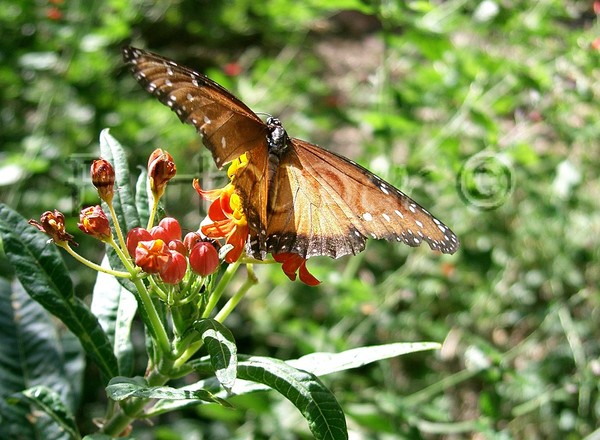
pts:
[386, 217]
[223, 142]
[367, 216]
[419, 224]
[398, 213]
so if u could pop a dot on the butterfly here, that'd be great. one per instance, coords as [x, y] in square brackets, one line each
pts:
[297, 197]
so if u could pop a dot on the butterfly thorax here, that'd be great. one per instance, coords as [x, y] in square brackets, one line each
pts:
[277, 140]
[277, 136]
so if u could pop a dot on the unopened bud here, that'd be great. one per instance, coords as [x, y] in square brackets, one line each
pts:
[103, 178]
[53, 224]
[161, 169]
[94, 222]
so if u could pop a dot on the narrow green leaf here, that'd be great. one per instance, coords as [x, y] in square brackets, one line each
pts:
[316, 403]
[124, 201]
[46, 400]
[40, 268]
[142, 197]
[120, 388]
[315, 363]
[222, 350]
[321, 364]
[31, 354]
[115, 308]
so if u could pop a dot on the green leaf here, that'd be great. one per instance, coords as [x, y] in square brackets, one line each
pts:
[315, 363]
[40, 268]
[120, 388]
[46, 400]
[142, 197]
[321, 364]
[316, 403]
[31, 354]
[115, 308]
[124, 201]
[221, 348]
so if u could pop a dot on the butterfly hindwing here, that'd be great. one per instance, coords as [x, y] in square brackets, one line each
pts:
[328, 205]
[228, 127]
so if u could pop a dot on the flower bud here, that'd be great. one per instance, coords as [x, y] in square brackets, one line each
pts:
[171, 227]
[178, 246]
[53, 224]
[94, 222]
[175, 270]
[103, 178]
[161, 169]
[159, 232]
[204, 259]
[191, 239]
[134, 237]
[152, 256]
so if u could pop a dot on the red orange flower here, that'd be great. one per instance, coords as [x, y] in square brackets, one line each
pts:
[292, 263]
[152, 256]
[226, 214]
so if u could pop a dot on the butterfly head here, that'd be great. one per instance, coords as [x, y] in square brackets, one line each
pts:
[277, 136]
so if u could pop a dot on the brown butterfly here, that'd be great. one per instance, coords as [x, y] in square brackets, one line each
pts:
[297, 197]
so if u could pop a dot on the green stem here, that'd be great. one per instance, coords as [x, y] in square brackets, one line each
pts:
[113, 215]
[88, 263]
[154, 323]
[218, 292]
[235, 299]
[152, 213]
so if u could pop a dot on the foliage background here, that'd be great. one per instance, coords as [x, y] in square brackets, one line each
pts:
[413, 90]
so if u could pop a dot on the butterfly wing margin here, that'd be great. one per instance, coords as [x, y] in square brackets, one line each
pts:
[326, 204]
[228, 127]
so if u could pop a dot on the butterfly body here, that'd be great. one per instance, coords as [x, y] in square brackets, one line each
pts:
[297, 197]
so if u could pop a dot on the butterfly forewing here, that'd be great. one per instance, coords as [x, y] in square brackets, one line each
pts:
[228, 127]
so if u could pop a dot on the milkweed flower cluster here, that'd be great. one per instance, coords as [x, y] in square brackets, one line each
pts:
[159, 250]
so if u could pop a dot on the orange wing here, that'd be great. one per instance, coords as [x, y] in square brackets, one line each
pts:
[228, 127]
[325, 204]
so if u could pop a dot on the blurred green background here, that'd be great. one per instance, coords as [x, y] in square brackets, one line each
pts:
[484, 112]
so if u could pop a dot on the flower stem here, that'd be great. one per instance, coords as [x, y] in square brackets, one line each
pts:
[218, 292]
[152, 213]
[235, 299]
[88, 263]
[113, 215]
